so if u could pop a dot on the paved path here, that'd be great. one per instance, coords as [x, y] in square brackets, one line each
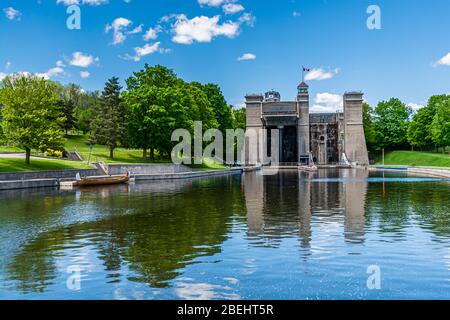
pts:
[20, 156]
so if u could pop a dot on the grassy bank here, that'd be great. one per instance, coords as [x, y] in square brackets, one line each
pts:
[416, 158]
[16, 165]
[101, 153]
[121, 155]
[8, 149]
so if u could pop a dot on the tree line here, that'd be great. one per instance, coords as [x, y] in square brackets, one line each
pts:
[393, 125]
[36, 114]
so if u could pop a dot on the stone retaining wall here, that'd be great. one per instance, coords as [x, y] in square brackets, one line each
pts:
[146, 169]
[185, 175]
[27, 184]
[54, 174]
[429, 172]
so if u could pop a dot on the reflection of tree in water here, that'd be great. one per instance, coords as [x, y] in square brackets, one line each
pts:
[33, 269]
[160, 235]
[430, 202]
[426, 202]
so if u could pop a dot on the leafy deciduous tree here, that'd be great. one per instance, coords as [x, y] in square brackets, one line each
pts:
[31, 118]
[391, 120]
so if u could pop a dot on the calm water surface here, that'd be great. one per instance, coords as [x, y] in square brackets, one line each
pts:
[289, 236]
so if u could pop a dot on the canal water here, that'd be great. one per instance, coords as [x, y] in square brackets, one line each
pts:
[328, 235]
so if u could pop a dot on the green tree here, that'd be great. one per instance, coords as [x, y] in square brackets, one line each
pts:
[31, 118]
[391, 120]
[369, 127]
[239, 118]
[441, 123]
[419, 131]
[147, 107]
[222, 110]
[84, 110]
[108, 124]
[69, 99]
[157, 103]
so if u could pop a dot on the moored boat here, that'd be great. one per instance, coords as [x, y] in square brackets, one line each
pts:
[312, 168]
[100, 181]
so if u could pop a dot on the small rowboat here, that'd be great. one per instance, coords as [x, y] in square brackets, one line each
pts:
[101, 181]
[308, 168]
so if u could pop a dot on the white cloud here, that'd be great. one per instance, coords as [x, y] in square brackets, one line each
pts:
[212, 3]
[415, 106]
[296, 14]
[202, 29]
[327, 102]
[147, 49]
[8, 65]
[12, 14]
[248, 19]
[53, 72]
[231, 8]
[444, 61]
[136, 30]
[2, 76]
[119, 26]
[78, 2]
[85, 74]
[247, 56]
[152, 33]
[82, 60]
[60, 63]
[321, 74]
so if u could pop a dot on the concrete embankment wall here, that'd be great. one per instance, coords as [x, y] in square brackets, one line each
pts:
[54, 174]
[27, 184]
[146, 169]
[429, 172]
[417, 171]
[185, 175]
[41, 179]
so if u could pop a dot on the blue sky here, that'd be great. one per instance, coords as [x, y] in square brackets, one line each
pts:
[202, 40]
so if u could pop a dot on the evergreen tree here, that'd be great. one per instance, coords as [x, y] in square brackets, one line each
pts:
[108, 123]
[69, 99]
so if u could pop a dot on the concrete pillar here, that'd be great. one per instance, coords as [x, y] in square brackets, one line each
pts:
[355, 141]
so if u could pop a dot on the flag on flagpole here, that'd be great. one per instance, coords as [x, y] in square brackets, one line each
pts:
[303, 73]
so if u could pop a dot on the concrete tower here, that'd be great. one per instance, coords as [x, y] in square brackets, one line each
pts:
[253, 149]
[354, 140]
[303, 121]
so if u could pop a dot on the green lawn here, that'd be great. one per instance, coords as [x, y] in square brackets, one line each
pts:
[15, 165]
[101, 153]
[8, 149]
[416, 158]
